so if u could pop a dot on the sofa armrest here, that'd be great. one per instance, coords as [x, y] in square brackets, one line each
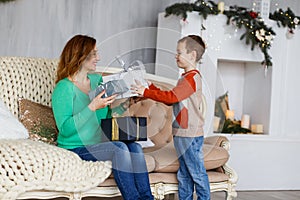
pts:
[34, 165]
[220, 141]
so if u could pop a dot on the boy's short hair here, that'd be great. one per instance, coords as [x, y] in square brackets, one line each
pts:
[194, 43]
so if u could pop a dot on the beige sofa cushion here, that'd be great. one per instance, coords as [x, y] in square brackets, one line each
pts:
[150, 162]
[213, 176]
[214, 156]
[163, 178]
[217, 177]
[166, 158]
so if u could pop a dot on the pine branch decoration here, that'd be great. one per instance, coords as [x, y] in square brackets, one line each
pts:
[181, 9]
[285, 18]
[3, 1]
[234, 127]
[205, 9]
[257, 33]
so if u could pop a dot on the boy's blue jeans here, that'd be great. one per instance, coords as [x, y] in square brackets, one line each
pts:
[192, 172]
[129, 166]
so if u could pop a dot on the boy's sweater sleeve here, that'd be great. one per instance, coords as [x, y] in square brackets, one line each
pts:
[184, 88]
[153, 87]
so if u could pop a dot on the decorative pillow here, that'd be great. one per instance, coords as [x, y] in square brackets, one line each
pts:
[39, 121]
[10, 127]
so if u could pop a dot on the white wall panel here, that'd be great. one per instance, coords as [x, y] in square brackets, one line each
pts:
[40, 28]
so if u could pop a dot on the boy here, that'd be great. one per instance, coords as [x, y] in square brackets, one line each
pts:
[187, 126]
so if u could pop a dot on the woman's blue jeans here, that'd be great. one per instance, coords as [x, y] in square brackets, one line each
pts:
[192, 172]
[129, 166]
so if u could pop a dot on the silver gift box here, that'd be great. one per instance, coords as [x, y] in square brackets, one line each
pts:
[110, 87]
[135, 71]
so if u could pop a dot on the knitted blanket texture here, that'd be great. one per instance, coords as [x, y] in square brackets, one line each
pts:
[30, 165]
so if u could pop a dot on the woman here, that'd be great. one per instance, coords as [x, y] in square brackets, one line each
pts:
[78, 119]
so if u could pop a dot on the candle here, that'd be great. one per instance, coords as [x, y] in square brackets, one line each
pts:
[216, 123]
[257, 128]
[221, 6]
[229, 114]
[245, 122]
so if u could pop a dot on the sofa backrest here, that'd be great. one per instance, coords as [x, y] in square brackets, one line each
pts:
[34, 79]
[159, 116]
[25, 77]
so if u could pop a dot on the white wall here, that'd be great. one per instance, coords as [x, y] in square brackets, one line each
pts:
[291, 88]
[40, 28]
[265, 163]
[270, 162]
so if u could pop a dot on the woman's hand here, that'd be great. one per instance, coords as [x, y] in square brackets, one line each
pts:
[99, 102]
[138, 88]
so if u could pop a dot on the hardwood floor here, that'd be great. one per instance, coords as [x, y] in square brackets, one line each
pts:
[260, 195]
[242, 195]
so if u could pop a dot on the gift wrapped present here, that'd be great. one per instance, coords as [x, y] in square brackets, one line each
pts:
[110, 87]
[125, 128]
[134, 72]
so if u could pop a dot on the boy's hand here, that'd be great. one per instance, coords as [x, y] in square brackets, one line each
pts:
[135, 99]
[138, 88]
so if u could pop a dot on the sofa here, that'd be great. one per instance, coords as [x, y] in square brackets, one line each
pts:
[32, 80]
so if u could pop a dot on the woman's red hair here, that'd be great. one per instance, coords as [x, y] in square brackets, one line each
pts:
[74, 53]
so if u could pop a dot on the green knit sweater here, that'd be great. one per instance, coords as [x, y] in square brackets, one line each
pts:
[77, 124]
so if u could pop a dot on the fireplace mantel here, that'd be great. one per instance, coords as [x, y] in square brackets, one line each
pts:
[275, 95]
[228, 65]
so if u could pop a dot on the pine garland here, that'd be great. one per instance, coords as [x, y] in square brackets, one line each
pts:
[3, 1]
[231, 126]
[179, 9]
[285, 18]
[204, 9]
[256, 31]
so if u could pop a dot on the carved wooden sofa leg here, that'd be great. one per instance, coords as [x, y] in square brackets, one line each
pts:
[231, 193]
[164, 190]
[75, 196]
[233, 177]
[159, 191]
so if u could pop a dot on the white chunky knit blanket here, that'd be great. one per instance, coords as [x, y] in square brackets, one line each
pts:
[29, 165]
